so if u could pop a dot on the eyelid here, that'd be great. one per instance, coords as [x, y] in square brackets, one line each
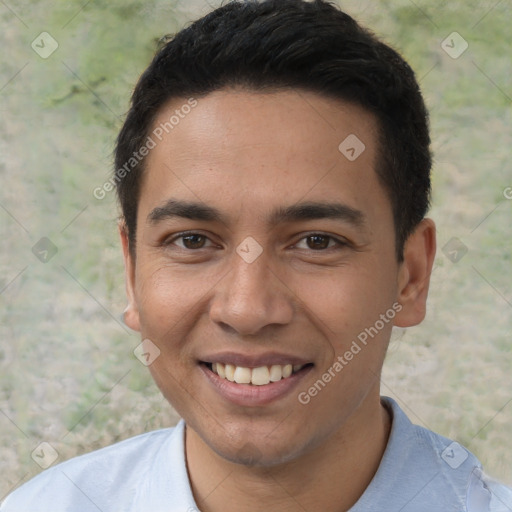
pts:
[339, 241]
[170, 240]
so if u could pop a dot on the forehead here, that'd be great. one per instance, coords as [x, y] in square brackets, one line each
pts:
[237, 148]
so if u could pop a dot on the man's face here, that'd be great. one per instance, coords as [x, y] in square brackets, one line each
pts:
[288, 255]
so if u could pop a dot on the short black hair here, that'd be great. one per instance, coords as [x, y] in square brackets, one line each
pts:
[272, 45]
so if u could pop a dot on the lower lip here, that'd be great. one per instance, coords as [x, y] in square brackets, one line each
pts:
[250, 395]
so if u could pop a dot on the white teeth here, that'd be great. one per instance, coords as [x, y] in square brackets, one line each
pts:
[219, 370]
[276, 372]
[242, 375]
[256, 376]
[260, 376]
[229, 370]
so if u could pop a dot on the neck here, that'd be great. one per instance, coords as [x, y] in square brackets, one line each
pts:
[331, 478]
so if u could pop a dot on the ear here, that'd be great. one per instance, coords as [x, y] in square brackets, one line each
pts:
[131, 313]
[414, 274]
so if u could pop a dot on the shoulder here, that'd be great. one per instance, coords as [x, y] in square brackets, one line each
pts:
[462, 475]
[423, 471]
[87, 482]
[484, 487]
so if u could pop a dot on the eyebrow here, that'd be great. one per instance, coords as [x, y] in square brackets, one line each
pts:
[318, 210]
[297, 212]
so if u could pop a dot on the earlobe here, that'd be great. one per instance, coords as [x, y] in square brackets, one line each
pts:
[414, 274]
[131, 313]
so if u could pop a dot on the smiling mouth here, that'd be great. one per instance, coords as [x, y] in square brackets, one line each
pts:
[260, 376]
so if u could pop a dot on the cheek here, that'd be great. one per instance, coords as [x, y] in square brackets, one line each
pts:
[169, 303]
[348, 300]
[166, 298]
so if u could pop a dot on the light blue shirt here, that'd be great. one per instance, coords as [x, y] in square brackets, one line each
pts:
[420, 472]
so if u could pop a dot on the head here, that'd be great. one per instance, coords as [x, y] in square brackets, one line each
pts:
[275, 215]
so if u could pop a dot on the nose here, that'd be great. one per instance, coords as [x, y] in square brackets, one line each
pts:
[250, 297]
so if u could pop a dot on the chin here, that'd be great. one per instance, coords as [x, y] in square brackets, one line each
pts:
[258, 454]
[254, 446]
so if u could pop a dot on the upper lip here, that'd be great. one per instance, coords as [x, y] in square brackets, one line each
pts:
[253, 361]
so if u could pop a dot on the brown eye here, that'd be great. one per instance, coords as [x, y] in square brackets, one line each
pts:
[321, 242]
[193, 241]
[188, 241]
[318, 241]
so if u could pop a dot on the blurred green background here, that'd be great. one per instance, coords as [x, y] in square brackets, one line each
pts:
[68, 375]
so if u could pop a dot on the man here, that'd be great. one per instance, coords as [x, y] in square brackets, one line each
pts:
[274, 176]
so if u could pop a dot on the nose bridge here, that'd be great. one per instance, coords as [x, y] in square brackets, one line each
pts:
[251, 279]
[251, 296]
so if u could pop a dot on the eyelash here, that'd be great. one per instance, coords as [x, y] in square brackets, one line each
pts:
[339, 243]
